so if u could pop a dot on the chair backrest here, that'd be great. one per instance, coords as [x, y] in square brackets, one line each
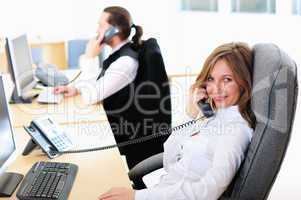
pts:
[145, 103]
[274, 98]
[37, 54]
[152, 70]
[75, 49]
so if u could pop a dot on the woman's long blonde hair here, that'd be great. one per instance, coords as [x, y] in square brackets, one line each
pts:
[239, 57]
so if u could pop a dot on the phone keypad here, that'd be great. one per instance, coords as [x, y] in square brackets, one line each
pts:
[61, 142]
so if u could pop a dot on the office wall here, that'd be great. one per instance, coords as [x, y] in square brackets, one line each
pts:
[46, 19]
[186, 38]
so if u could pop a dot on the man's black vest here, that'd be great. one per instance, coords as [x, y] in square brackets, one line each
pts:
[141, 108]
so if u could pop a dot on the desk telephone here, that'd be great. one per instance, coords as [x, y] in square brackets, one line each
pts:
[48, 135]
[53, 140]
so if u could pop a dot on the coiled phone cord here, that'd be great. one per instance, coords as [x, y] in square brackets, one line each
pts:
[138, 140]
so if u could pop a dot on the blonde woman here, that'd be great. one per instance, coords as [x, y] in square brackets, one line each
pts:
[201, 164]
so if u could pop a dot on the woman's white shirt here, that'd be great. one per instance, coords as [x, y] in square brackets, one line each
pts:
[201, 160]
[120, 73]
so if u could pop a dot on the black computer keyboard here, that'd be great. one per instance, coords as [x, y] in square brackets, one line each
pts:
[48, 180]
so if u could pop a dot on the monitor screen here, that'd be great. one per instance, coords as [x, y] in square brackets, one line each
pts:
[7, 143]
[20, 61]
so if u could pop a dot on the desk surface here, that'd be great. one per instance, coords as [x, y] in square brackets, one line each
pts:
[70, 110]
[98, 171]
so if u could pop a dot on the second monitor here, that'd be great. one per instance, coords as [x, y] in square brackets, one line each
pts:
[20, 67]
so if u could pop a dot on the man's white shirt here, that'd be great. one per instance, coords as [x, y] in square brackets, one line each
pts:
[120, 73]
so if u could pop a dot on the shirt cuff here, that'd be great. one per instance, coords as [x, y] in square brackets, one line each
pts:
[87, 91]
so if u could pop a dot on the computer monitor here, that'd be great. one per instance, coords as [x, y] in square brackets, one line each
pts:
[20, 67]
[8, 181]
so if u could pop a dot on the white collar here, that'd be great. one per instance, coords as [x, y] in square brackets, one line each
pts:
[119, 46]
[229, 108]
[229, 112]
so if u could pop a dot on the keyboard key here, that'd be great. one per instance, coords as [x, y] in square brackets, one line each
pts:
[48, 180]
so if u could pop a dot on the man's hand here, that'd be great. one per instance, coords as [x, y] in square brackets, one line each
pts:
[68, 91]
[94, 46]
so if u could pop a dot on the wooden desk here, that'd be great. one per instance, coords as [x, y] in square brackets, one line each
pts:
[97, 172]
[71, 110]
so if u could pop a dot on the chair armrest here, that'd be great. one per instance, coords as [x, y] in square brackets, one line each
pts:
[146, 166]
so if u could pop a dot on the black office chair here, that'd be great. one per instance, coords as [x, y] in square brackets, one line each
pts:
[274, 99]
[144, 105]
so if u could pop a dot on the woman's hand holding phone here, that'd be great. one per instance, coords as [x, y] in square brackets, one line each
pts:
[195, 95]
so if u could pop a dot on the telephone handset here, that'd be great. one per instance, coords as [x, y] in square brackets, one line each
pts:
[206, 108]
[204, 104]
[53, 141]
[111, 32]
[48, 135]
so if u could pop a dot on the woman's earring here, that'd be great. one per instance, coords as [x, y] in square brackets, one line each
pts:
[241, 91]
